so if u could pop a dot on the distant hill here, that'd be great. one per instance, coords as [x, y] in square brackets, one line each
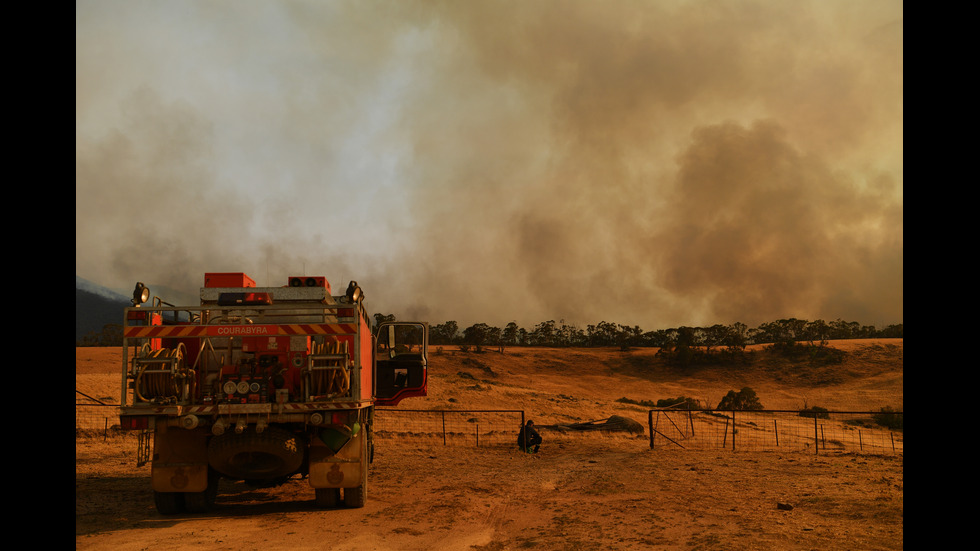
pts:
[582, 384]
[95, 307]
[99, 290]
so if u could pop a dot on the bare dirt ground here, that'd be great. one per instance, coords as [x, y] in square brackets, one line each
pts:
[581, 492]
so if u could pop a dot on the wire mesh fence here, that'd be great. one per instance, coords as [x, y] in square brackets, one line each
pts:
[95, 419]
[450, 427]
[823, 431]
[667, 428]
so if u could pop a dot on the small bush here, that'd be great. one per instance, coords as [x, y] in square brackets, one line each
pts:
[815, 412]
[888, 417]
[680, 402]
[814, 354]
[745, 399]
[644, 403]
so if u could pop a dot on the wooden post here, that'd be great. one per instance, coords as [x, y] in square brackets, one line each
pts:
[816, 441]
[775, 431]
[733, 429]
[657, 426]
[650, 425]
[724, 441]
[444, 428]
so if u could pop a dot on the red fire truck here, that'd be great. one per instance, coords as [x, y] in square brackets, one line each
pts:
[261, 384]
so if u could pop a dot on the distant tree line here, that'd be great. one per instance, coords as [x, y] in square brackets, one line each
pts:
[730, 338]
[681, 341]
[111, 335]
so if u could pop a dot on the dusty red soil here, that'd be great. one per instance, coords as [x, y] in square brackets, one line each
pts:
[581, 492]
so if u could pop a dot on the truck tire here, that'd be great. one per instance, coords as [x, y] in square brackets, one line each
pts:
[355, 497]
[271, 454]
[168, 503]
[327, 497]
[202, 502]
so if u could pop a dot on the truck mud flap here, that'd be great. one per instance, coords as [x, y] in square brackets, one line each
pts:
[180, 462]
[344, 469]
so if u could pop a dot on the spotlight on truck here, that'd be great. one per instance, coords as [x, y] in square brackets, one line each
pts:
[354, 293]
[140, 294]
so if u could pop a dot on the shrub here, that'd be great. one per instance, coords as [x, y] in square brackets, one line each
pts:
[677, 403]
[745, 399]
[815, 412]
[680, 402]
[815, 354]
[645, 403]
[888, 417]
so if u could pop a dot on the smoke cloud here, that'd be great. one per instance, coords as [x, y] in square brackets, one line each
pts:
[646, 163]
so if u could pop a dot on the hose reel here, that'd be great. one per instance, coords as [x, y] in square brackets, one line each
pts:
[328, 372]
[161, 376]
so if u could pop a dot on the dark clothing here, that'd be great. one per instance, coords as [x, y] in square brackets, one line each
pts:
[528, 439]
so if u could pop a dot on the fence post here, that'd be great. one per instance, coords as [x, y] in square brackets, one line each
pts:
[650, 426]
[444, 428]
[775, 430]
[724, 440]
[816, 440]
[657, 425]
[733, 429]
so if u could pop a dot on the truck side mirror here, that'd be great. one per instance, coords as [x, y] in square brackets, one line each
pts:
[391, 341]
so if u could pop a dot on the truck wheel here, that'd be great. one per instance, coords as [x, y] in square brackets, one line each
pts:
[327, 497]
[168, 503]
[370, 444]
[202, 502]
[355, 497]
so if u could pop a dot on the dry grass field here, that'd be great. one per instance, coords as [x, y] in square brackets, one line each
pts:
[583, 491]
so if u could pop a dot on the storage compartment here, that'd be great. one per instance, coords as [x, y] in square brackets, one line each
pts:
[228, 279]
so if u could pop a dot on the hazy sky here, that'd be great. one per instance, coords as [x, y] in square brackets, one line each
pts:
[653, 163]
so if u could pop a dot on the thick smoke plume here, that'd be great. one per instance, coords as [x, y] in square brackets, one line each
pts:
[648, 163]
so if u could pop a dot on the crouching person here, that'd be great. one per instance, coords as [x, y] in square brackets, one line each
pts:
[528, 439]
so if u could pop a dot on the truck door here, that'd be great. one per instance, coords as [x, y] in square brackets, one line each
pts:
[400, 361]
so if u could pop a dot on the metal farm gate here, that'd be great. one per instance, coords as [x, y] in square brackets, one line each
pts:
[841, 431]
